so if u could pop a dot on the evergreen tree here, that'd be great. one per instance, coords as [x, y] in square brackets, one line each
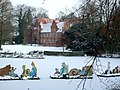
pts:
[24, 17]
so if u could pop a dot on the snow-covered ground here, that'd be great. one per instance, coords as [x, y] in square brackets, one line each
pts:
[28, 48]
[46, 68]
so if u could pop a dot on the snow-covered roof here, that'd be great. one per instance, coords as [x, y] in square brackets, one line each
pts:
[60, 26]
[47, 27]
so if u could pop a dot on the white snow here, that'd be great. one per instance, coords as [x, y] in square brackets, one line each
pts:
[46, 68]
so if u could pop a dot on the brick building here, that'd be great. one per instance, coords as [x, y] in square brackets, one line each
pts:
[47, 32]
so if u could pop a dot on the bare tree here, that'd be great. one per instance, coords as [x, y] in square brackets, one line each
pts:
[103, 25]
[41, 12]
[5, 21]
[111, 28]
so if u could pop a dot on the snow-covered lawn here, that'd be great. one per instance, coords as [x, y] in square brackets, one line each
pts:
[46, 68]
[28, 48]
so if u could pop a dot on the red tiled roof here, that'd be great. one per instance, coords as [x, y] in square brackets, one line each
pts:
[45, 20]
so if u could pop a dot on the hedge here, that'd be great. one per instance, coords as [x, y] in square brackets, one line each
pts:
[54, 53]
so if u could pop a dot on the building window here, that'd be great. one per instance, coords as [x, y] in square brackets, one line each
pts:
[46, 34]
[50, 35]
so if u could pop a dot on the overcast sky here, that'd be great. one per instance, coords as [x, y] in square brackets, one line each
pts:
[53, 6]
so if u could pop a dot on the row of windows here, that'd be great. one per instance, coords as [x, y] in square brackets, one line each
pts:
[50, 34]
[46, 34]
[48, 40]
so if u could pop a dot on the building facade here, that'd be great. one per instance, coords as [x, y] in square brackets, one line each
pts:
[47, 32]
